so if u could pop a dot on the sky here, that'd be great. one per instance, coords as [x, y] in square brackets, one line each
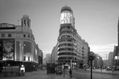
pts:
[95, 21]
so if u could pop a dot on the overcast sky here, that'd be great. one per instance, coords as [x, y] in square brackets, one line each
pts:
[95, 20]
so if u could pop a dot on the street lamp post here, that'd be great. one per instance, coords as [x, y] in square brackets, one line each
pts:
[91, 58]
[115, 62]
[91, 69]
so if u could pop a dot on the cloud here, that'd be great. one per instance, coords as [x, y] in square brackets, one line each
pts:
[102, 50]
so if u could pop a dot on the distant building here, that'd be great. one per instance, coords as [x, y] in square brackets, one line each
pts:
[40, 56]
[110, 59]
[72, 49]
[47, 59]
[17, 42]
[105, 63]
[116, 53]
[54, 55]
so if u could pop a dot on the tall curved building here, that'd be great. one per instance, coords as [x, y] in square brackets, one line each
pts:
[71, 48]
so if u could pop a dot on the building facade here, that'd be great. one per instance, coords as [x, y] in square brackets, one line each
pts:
[54, 55]
[17, 42]
[110, 59]
[47, 59]
[72, 49]
[116, 52]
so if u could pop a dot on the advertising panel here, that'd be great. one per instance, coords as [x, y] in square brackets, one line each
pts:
[8, 47]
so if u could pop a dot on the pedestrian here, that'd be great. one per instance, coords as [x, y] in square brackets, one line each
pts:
[64, 71]
[112, 69]
[22, 69]
[70, 73]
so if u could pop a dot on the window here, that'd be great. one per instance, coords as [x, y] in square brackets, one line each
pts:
[24, 58]
[24, 35]
[9, 35]
[2, 35]
[28, 35]
[25, 22]
[28, 58]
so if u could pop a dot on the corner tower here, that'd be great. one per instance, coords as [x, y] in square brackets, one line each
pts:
[66, 39]
[67, 16]
[25, 21]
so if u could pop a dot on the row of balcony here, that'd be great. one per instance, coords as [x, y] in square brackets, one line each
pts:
[67, 53]
[66, 37]
[66, 49]
[67, 43]
[67, 32]
[68, 59]
[67, 27]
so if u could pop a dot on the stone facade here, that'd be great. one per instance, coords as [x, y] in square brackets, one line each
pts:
[17, 42]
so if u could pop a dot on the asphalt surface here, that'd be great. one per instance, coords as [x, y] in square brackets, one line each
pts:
[86, 75]
[40, 74]
[77, 74]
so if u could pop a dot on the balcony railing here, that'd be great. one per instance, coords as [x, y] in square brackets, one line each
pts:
[66, 42]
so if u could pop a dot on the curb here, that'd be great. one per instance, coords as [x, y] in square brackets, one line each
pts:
[111, 73]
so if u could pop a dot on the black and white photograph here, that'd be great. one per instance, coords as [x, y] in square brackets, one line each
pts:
[59, 39]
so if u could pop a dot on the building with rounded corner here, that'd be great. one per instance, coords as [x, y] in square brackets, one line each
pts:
[17, 42]
[72, 49]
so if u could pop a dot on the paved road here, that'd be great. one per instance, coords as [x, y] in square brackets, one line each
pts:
[86, 75]
[76, 75]
[38, 75]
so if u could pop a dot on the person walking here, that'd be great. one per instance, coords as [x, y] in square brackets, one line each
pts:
[70, 73]
[64, 71]
[22, 70]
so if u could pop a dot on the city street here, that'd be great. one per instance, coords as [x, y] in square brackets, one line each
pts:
[59, 39]
[99, 75]
[40, 74]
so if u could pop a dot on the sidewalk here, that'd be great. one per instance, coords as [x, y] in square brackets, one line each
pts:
[106, 72]
[101, 71]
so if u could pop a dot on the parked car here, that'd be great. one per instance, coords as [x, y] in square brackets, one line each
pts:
[50, 68]
[108, 68]
[59, 70]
